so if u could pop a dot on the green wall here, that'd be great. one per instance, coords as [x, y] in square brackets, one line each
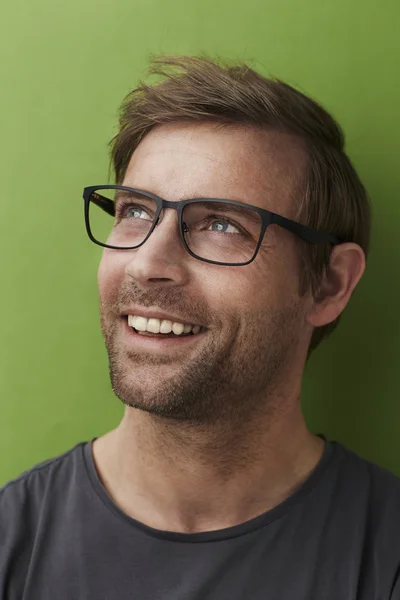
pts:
[65, 67]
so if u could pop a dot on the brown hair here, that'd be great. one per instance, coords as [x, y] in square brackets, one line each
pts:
[197, 89]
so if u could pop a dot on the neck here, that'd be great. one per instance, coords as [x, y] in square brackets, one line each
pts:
[187, 479]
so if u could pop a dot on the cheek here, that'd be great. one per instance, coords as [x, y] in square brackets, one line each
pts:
[265, 288]
[234, 291]
[109, 277]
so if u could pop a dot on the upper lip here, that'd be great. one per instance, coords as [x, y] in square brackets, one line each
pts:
[158, 314]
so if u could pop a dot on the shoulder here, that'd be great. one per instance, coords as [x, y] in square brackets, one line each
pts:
[24, 502]
[22, 496]
[377, 476]
[377, 488]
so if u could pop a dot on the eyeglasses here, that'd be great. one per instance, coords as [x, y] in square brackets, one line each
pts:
[221, 232]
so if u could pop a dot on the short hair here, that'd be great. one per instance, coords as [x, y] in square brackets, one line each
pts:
[197, 89]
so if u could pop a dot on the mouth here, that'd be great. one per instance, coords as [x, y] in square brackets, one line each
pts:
[151, 340]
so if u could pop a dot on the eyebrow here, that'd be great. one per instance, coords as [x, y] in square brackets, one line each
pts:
[254, 216]
[120, 194]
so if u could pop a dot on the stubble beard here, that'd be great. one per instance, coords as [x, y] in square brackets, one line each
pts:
[224, 383]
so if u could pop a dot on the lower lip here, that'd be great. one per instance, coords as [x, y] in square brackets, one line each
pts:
[158, 343]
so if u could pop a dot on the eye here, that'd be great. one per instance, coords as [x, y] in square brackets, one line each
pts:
[128, 210]
[222, 226]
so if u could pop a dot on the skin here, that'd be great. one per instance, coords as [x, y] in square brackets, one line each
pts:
[214, 436]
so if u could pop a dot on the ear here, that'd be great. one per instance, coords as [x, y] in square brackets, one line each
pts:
[346, 267]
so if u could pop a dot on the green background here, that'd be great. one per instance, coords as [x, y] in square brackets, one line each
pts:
[65, 67]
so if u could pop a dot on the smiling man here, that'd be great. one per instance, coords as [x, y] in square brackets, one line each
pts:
[233, 240]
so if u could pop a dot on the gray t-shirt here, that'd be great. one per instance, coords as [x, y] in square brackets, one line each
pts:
[336, 538]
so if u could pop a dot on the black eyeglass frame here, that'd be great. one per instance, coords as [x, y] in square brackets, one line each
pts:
[313, 236]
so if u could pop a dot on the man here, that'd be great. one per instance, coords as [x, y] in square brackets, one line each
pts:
[233, 240]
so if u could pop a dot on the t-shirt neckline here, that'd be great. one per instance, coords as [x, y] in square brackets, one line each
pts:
[220, 534]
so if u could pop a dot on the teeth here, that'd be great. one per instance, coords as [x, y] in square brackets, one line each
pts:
[161, 326]
[166, 326]
[178, 328]
[153, 325]
[140, 323]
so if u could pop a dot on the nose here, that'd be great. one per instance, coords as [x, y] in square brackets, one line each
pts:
[162, 258]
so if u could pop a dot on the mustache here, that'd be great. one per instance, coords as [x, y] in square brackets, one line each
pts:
[168, 300]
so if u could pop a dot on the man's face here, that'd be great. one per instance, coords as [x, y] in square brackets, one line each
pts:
[255, 319]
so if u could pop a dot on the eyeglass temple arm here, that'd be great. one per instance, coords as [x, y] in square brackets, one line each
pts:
[104, 203]
[307, 233]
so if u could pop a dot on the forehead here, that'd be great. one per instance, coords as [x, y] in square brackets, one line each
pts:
[178, 161]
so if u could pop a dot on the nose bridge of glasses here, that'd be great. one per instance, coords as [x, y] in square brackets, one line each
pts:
[174, 215]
